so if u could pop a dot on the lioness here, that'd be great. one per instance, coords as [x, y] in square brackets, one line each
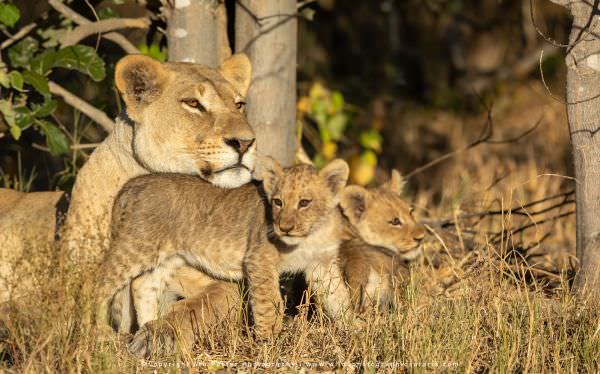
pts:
[370, 272]
[180, 117]
[164, 221]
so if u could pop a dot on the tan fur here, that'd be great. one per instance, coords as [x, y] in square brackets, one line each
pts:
[25, 219]
[383, 218]
[169, 136]
[164, 221]
[371, 275]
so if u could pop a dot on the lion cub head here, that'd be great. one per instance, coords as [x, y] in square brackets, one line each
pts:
[382, 218]
[302, 197]
[189, 118]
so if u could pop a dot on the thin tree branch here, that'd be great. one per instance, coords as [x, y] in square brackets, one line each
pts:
[114, 37]
[484, 138]
[24, 31]
[84, 107]
[102, 26]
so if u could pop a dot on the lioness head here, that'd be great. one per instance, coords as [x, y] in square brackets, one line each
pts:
[302, 197]
[382, 218]
[189, 118]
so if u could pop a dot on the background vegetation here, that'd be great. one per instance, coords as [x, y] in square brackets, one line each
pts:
[383, 84]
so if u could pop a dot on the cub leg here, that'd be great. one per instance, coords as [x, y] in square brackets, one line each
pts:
[332, 291]
[217, 302]
[261, 269]
[127, 259]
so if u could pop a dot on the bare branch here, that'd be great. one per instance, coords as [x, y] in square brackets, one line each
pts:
[114, 37]
[24, 31]
[102, 26]
[68, 12]
[84, 107]
[485, 137]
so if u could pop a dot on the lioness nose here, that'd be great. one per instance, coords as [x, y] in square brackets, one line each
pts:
[240, 145]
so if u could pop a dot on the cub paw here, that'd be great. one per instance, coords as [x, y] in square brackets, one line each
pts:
[154, 338]
[265, 331]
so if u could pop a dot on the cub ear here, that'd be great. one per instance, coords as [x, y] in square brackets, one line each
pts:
[237, 71]
[335, 174]
[271, 173]
[396, 183]
[353, 202]
[140, 80]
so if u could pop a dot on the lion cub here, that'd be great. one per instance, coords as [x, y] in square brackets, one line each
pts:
[390, 235]
[162, 222]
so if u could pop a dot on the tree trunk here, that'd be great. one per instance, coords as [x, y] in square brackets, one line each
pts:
[266, 30]
[197, 32]
[583, 110]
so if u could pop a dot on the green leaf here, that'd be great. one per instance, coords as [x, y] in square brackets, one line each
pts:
[4, 79]
[108, 12]
[337, 101]
[9, 14]
[21, 54]
[371, 139]
[337, 125]
[44, 109]
[39, 82]
[57, 141]
[308, 14]
[82, 58]
[23, 117]
[15, 131]
[42, 63]
[8, 113]
[16, 80]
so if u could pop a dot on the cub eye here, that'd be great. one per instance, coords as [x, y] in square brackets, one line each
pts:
[194, 103]
[411, 210]
[395, 221]
[277, 202]
[240, 105]
[303, 203]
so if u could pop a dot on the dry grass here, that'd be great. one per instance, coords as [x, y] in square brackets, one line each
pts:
[477, 301]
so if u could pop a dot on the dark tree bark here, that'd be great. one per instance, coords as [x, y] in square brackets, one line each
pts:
[266, 30]
[197, 32]
[583, 110]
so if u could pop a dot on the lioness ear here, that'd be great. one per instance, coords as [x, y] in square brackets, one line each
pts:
[237, 71]
[335, 174]
[271, 173]
[353, 202]
[396, 183]
[140, 79]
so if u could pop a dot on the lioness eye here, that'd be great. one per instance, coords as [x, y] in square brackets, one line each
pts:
[303, 203]
[411, 210]
[395, 221]
[277, 202]
[240, 105]
[194, 103]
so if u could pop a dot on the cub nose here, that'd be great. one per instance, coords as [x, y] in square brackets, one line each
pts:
[286, 228]
[240, 145]
[419, 236]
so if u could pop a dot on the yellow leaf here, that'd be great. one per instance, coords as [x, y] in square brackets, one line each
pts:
[329, 150]
[362, 171]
